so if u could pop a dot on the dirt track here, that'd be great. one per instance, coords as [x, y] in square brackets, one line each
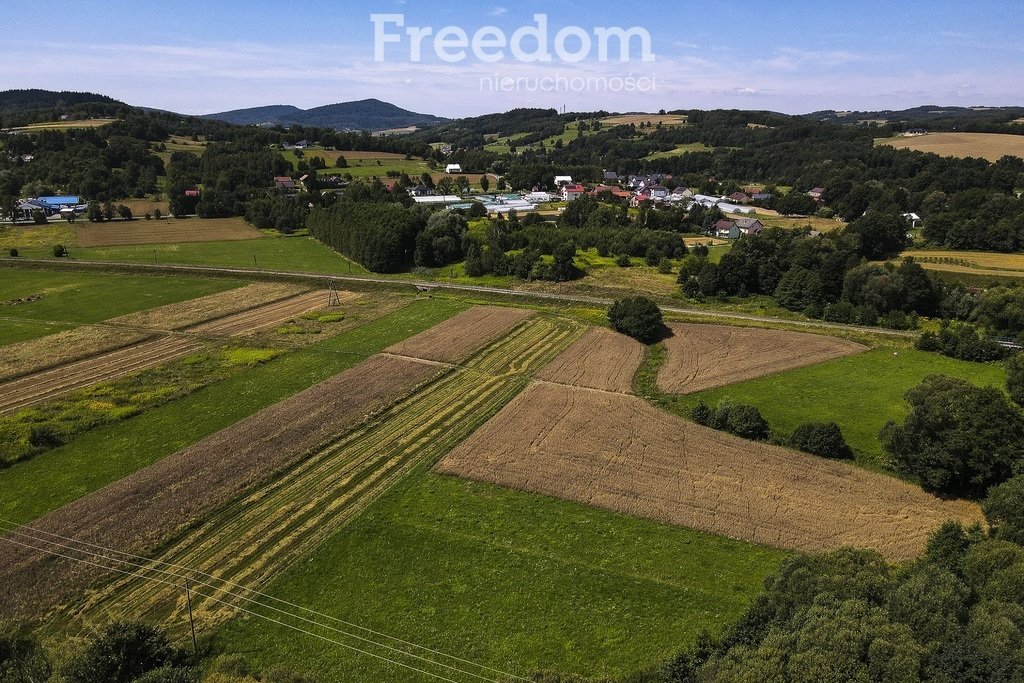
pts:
[46, 384]
[706, 356]
[641, 461]
[600, 359]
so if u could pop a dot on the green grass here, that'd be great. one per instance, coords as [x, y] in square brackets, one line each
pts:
[82, 298]
[507, 579]
[860, 393]
[12, 331]
[104, 455]
[275, 253]
[679, 151]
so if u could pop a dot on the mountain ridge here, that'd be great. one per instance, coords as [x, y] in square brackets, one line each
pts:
[369, 114]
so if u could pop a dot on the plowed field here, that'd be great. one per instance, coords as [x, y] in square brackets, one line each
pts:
[705, 356]
[600, 359]
[621, 453]
[170, 231]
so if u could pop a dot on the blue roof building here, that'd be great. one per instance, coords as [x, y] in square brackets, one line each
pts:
[58, 201]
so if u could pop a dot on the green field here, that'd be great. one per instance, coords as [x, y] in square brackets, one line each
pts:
[679, 150]
[73, 299]
[275, 253]
[507, 579]
[106, 454]
[860, 393]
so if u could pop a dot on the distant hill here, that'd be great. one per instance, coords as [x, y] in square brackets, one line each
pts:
[371, 115]
[933, 117]
[27, 100]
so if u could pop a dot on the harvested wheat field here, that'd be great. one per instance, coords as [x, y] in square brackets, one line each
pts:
[706, 356]
[168, 231]
[205, 308]
[600, 359]
[990, 146]
[453, 339]
[137, 512]
[641, 461]
[123, 359]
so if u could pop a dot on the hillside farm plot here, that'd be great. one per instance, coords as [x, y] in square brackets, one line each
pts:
[641, 461]
[975, 262]
[990, 146]
[601, 359]
[253, 538]
[39, 386]
[454, 338]
[705, 356]
[653, 119]
[168, 231]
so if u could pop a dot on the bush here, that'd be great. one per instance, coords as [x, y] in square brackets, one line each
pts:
[14, 252]
[637, 316]
[123, 653]
[1015, 378]
[59, 250]
[821, 438]
[1004, 510]
[623, 261]
[961, 341]
[740, 419]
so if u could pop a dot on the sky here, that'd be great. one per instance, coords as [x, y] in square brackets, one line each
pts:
[794, 57]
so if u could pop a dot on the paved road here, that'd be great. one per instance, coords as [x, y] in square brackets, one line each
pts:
[432, 285]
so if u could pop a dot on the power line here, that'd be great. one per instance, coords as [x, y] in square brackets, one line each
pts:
[222, 590]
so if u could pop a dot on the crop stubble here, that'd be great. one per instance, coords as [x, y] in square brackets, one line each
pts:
[318, 488]
[705, 356]
[600, 359]
[641, 461]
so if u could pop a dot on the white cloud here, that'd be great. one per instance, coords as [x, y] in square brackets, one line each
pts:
[498, 12]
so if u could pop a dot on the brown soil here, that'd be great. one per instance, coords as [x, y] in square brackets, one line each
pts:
[166, 231]
[455, 338]
[641, 461]
[600, 359]
[141, 510]
[706, 356]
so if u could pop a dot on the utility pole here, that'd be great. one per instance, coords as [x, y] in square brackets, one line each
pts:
[191, 621]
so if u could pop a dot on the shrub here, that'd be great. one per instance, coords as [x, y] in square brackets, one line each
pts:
[1015, 378]
[14, 252]
[623, 261]
[1004, 510]
[59, 250]
[740, 419]
[637, 316]
[821, 438]
[123, 653]
[961, 341]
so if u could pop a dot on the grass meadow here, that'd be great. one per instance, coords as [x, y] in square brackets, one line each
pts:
[68, 299]
[507, 579]
[32, 488]
[860, 393]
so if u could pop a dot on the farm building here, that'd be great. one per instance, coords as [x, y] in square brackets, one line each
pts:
[438, 199]
[60, 202]
[539, 197]
[453, 168]
[913, 219]
[563, 180]
[284, 183]
[749, 226]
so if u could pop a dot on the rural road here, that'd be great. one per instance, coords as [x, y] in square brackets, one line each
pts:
[430, 285]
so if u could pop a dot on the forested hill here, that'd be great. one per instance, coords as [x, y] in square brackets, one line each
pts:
[933, 118]
[371, 115]
[24, 100]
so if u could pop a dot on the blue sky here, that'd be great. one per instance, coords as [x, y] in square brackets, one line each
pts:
[795, 57]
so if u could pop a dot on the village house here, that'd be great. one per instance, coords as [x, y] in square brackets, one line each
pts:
[283, 182]
[453, 168]
[658, 192]
[913, 219]
[725, 230]
[563, 180]
[817, 194]
[739, 197]
[749, 226]
[572, 192]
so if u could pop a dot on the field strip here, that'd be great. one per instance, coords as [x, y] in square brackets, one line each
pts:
[641, 461]
[256, 536]
[35, 388]
[702, 356]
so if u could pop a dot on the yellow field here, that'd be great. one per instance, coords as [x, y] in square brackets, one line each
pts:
[63, 125]
[991, 146]
[653, 119]
[24, 236]
[977, 262]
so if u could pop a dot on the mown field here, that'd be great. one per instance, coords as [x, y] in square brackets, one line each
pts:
[506, 579]
[991, 146]
[104, 455]
[860, 393]
[67, 299]
[981, 263]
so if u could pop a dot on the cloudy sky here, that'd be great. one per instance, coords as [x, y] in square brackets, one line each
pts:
[795, 57]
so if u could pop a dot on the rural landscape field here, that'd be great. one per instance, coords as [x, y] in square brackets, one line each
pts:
[412, 342]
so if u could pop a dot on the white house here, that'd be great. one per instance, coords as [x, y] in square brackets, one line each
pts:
[563, 180]
[572, 192]
[913, 219]
[453, 168]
